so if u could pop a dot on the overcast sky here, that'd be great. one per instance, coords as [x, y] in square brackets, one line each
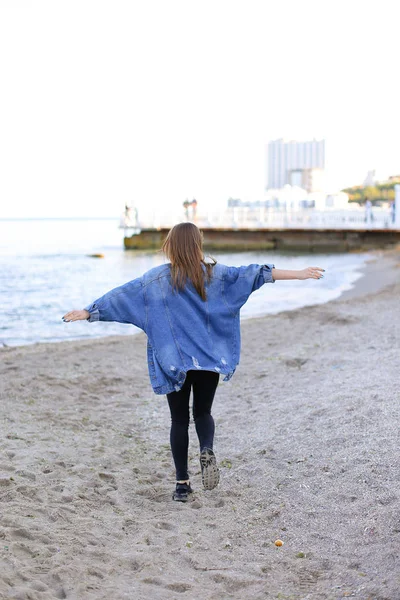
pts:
[153, 101]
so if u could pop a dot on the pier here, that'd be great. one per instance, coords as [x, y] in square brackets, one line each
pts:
[264, 229]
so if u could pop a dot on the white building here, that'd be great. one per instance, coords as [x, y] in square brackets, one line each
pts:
[297, 164]
[296, 198]
[370, 179]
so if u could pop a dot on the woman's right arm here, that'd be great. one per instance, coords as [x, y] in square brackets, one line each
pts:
[308, 273]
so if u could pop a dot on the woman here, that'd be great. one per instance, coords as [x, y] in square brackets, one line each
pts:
[189, 309]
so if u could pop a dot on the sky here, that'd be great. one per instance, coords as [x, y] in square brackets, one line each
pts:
[152, 102]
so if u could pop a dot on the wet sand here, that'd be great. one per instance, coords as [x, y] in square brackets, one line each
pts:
[307, 441]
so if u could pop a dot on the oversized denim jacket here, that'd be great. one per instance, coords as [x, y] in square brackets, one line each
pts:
[184, 332]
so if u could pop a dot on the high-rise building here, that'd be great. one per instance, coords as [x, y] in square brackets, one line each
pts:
[296, 163]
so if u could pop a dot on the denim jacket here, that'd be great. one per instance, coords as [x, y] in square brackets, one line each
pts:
[184, 332]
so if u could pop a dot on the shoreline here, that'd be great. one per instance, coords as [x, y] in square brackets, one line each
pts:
[306, 439]
[374, 277]
[378, 272]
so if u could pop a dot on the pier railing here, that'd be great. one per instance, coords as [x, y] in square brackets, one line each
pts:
[267, 218]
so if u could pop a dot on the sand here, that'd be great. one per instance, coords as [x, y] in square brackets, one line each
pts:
[307, 440]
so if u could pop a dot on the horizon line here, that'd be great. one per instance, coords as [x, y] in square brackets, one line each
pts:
[58, 218]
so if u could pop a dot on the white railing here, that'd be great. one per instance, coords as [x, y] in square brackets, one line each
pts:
[268, 218]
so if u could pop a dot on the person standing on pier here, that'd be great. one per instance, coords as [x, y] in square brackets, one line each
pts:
[190, 310]
[368, 211]
[392, 212]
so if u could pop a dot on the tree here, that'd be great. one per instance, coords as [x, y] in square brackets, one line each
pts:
[381, 192]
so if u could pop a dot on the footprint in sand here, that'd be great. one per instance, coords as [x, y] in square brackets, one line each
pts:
[179, 587]
[232, 584]
[22, 551]
[175, 587]
[164, 525]
[110, 479]
[155, 493]
[6, 467]
[26, 474]
[95, 572]
[5, 482]
[39, 586]
[21, 533]
[219, 503]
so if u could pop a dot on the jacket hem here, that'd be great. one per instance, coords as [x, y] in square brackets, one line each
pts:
[176, 387]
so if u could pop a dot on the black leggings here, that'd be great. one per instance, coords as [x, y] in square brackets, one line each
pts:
[204, 385]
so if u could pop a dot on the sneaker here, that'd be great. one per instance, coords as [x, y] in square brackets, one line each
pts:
[209, 469]
[182, 492]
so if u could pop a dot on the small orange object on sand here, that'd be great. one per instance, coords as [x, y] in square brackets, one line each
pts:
[278, 543]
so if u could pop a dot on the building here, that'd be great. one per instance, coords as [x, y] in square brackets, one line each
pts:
[294, 198]
[296, 163]
[370, 179]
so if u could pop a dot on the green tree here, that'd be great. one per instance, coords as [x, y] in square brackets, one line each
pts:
[381, 192]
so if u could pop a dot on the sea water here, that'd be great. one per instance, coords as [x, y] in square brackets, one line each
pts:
[46, 270]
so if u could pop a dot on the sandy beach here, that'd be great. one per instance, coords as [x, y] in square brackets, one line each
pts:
[86, 473]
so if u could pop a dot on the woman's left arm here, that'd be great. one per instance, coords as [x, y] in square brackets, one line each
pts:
[124, 304]
[308, 273]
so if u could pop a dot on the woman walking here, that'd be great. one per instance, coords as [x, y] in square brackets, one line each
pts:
[190, 311]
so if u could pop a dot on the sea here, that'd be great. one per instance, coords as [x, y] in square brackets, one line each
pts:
[46, 270]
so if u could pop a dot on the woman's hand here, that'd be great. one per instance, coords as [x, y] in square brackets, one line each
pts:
[76, 315]
[311, 273]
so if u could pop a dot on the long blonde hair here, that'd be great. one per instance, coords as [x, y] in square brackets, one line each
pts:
[184, 248]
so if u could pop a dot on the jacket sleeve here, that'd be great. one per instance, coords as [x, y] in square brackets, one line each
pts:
[240, 282]
[124, 304]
